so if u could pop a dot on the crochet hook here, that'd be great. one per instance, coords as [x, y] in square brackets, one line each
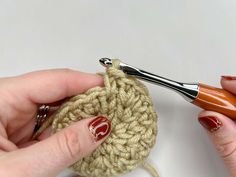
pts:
[202, 95]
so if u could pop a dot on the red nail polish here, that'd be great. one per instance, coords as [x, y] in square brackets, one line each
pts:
[229, 78]
[99, 127]
[210, 123]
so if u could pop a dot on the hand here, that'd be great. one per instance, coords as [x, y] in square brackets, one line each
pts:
[19, 100]
[222, 130]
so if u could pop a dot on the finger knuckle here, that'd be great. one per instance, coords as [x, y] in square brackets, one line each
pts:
[227, 150]
[71, 145]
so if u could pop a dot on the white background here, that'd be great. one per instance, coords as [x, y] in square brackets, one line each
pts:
[186, 40]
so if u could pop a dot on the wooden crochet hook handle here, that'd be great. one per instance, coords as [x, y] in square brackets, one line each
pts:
[216, 99]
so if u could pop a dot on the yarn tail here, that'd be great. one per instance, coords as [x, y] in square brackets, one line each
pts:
[150, 168]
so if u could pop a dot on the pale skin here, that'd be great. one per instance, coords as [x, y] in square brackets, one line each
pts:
[224, 138]
[19, 100]
[47, 156]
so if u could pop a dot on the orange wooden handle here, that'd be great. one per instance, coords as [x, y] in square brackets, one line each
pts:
[216, 99]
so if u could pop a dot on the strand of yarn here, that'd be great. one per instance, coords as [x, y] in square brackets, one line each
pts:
[125, 101]
[150, 168]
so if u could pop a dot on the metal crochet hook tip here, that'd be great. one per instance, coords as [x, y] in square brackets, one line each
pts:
[130, 70]
[107, 62]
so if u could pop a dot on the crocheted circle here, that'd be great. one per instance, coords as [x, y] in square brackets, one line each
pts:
[126, 103]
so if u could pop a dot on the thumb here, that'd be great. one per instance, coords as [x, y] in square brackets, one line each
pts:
[222, 132]
[50, 156]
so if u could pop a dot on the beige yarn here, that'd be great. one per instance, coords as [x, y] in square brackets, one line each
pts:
[126, 103]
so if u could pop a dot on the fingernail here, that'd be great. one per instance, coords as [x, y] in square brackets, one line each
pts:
[229, 78]
[211, 123]
[100, 127]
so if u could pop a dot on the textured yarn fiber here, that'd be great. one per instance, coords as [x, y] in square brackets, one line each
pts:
[126, 103]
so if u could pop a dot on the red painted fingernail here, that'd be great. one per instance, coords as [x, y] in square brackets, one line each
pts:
[99, 127]
[229, 78]
[211, 123]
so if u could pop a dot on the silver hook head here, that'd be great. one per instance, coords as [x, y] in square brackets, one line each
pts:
[107, 62]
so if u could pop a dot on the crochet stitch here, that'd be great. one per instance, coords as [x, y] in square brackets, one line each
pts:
[125, 101]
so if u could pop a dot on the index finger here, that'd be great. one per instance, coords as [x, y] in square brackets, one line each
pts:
[229, 83]
[52, 85]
